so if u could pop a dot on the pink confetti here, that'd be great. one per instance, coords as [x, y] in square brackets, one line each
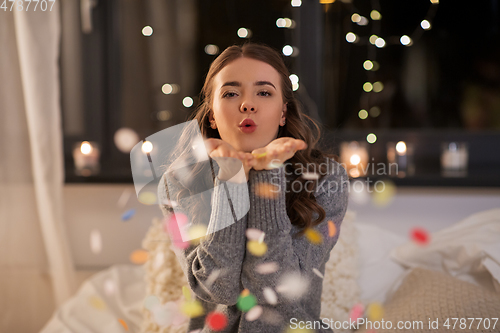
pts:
[356, 311]
[172, 226]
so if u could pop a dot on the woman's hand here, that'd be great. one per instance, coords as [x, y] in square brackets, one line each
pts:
[229, 160]
[277, 151]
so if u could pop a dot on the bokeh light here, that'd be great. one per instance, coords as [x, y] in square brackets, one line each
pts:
[363, 114]
[147, 31]
[371, 138]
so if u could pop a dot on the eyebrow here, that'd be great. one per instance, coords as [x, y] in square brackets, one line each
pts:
[257, 83]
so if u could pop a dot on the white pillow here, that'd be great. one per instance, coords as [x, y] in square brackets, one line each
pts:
[469, 250]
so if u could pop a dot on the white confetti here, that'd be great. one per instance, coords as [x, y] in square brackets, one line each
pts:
[310, 175]
[293, 285]
[159, 260]
[254, 234]
[109, 287]
[212, 277]
[254, 313]
[122, 202]
[95, 241]
[267, 268]
[270, 296]
[318, 273]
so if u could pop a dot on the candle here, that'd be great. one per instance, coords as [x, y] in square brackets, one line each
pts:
[400, 159]
[454, 159]
[86, 157]
[354, 158]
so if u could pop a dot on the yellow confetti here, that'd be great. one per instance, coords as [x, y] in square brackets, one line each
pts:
[375, 311]
[245, 292]
[313, 236]
[266, 190]
[383, 193]
[332, 229]
[147, 198]
[260, 155]
[196, 232]
[124, 324]
[192, 309]
[97, 303]
[139, 257]
[256, 248]
[186, 292]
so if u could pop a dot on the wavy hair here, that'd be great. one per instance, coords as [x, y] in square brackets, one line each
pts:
[300, 205]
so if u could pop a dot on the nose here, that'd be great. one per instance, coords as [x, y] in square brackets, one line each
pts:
[246, 106]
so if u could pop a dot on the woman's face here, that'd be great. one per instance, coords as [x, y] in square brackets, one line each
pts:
[248, 89]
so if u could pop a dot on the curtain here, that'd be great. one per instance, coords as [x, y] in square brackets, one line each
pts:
[33, 242]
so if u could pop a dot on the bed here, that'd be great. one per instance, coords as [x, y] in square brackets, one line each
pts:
[459, 269]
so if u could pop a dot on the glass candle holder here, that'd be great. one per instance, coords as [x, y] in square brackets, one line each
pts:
[400, 159]
[454, 159]
[86, 157]
[354, 158]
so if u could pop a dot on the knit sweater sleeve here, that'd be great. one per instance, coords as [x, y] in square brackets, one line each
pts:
[292, 255]
[213, 265]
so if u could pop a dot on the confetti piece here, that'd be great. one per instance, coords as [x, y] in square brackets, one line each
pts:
[310, 175]
[139, 257]
[356, 311]
[293, 285]
[151, 301]
[124, 324]
[164, 314]
[172, 225]
[332, 229]
[254, 313]
[187, 293]
[266, 190]
[147, 198]
[246, 302]
[313, 236]
[383, 193]
[95, 241]
[128, 214]
[258, 249]
[271, 317]
[196, 232]
[254, 234]
[159, 260]
[260, 155]
[109, 287]
[216, 321]
[245, 292]
[420, 236]
[275, 165]
[270, 296]
[122, 201]
[318, 273]
[375, 311]
[267, 268]
[97, 303]
[192, 309]
[212, 277]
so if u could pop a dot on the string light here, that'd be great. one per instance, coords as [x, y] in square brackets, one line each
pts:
[371, 138]
[351, 37]
[368, 65]
[362, 21]
[372, 39]
[367, 87]
[287, 50]
[379, 42]
[147, 31]
[405, 40]
[363, 114]
[426, 25]
[296, 3]
[375, 15]
[378, 86]
[355, 18]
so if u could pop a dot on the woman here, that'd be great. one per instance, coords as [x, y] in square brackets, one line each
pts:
[249, 115]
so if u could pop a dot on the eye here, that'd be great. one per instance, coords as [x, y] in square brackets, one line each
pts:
[228, 94]
[265, 93]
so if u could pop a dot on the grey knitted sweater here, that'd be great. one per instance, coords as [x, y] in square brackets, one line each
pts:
[223, 253]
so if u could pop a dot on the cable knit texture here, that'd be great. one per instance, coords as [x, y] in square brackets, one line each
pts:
[224, 252]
